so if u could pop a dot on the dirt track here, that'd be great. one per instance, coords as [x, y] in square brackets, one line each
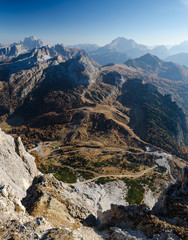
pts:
[136, 175]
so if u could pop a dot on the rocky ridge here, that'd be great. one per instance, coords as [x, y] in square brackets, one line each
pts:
[155, 66]
[14, 50]
[23, 75]
[8, 52]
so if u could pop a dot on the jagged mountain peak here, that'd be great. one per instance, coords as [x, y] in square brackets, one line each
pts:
[58, 64]
[32, 38]
[122, 40]
[15, 49]
[32, 42]
[79, 69]
[122, 44]
[8, 52]
[118, 51]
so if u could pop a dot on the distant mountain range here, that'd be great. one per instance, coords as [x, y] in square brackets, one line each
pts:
[180, 48]
[15, 49]
[118, 51]
[180, 58]
[86, 47]
[122, 49]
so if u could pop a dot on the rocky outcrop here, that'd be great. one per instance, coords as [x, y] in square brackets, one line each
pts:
[79, 70]
[139, 218]
[172, 206]
[101, 196]
[61, 205]
[149, 198]
[17, 167]
[47, 196]
[64, 52]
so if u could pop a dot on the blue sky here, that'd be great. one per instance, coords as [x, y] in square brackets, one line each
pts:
[151, 22]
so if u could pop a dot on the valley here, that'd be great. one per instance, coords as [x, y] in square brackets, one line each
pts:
[99, 129]
[101, 137]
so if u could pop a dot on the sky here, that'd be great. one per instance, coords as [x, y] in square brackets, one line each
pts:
[150, 22]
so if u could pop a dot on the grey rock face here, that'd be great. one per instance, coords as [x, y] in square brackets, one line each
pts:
[64, 52]
[11, 51]
[14, 50]
[80, 69]
[17, 167]
[100, 197]
[172, 205]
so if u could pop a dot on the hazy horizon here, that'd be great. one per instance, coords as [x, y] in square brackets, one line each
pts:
[148, 22]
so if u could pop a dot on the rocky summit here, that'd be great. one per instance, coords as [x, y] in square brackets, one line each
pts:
[37, 206]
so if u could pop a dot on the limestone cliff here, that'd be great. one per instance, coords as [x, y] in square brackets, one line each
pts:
[17, 167]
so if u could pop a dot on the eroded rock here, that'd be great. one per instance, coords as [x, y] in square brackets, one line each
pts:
[17, 167]
[173, 204]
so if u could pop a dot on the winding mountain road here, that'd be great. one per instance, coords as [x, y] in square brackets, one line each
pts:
[162, 160]
[137, 175]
